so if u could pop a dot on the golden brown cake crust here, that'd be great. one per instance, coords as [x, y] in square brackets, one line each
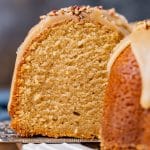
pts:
[139, 41]
[125, 124]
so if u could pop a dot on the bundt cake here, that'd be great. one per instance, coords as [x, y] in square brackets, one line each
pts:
[126, 115]
[61, 72]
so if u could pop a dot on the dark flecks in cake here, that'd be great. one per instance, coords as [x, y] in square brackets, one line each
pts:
[76, 113]
[145, 24]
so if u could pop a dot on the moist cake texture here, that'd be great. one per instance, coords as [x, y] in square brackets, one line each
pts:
[60, 73]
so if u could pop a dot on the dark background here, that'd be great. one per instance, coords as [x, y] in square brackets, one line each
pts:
[18, 16]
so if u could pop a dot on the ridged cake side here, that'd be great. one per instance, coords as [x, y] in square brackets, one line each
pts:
[125, 123]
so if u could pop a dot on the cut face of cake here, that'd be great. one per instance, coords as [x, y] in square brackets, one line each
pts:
[60, 73]
[126, 115]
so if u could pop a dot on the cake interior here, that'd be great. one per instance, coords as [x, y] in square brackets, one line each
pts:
[61, 81]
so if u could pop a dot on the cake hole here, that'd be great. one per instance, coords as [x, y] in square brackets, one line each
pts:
[54, 118]
[76, 113]
[100, 60]
[62, 122]
[77, 122]
[90, 79]
[130, 122]
[129, 104]
[126, 117]
[93, 136]
[75, 56]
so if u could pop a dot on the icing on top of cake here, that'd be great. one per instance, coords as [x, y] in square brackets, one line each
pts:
[139, 40]
[110, 15]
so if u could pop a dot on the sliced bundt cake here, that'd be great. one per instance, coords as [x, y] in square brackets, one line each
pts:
[126, 121]
[60, 73]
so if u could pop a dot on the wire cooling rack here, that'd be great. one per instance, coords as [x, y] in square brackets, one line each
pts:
[9, 136]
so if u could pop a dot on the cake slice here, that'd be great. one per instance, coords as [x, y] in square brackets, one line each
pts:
[60, 73]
